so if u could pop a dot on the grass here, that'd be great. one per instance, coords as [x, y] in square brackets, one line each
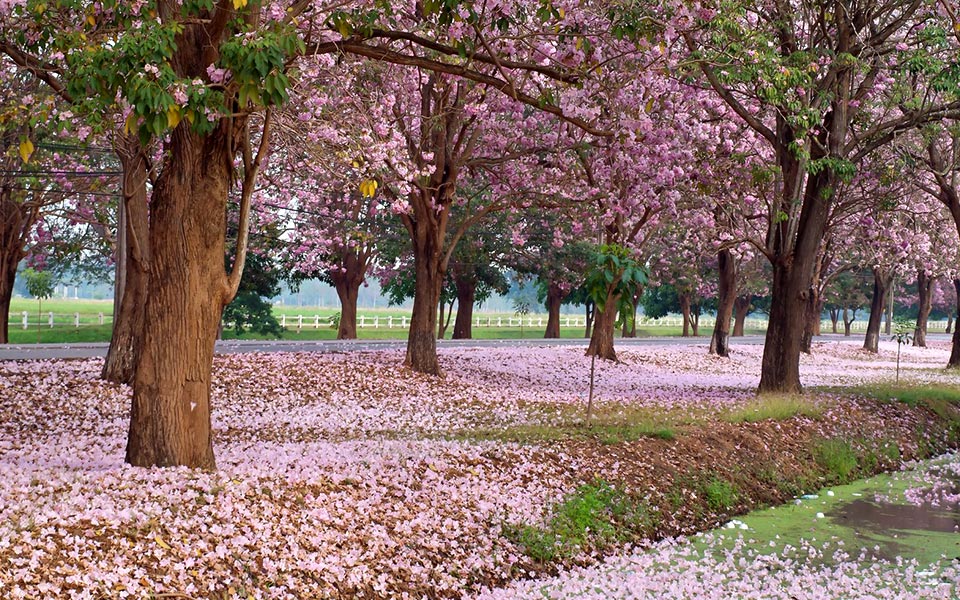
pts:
[837, 457]
[64, 330]
[774, 407]
[719, 493]
[595, 515]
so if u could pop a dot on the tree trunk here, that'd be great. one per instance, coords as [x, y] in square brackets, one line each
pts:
[881, 285]
[811, 320]
[133, 267]
[726, 298]
[422, 338]
[847, 321]
[588, 319]
[791, 290]
[15, 225]
[8, 277]
[348, 292]
[554, 301]
[466, 296]
[949, 324]
[685, 310]
[834, 317]
[347, 280]
[170, 415]
[925, 304]
[695, 321]
[601, 342]
[954, 361]
[741, 306]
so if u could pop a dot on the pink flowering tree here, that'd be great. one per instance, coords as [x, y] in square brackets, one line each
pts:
[201, 80]
[802, 80]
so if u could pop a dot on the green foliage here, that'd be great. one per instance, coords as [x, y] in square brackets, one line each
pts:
[39, 283]
[615, 271]
[595, 515]
[837, 457]
[250, 310]
[720, 494]
[121, 51]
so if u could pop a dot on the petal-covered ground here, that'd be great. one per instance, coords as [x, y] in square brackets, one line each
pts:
[344, 475]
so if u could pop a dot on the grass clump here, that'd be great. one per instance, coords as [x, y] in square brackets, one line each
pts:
[836, 457]
[775, 407]
[595, 515]
[720, 494]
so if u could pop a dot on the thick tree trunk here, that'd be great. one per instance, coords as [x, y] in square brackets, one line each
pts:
[133, 267]
[791, 290]
[925, 304]
[466, 296]
[881, 285]
[8, 277]
[170, 415]
[834, 317]
[954, 361]
[726, 298]
[348, 292]
[695, 321]
[347, 281]
[555, 296]
[741, 306]
[601, 342]
[422, 339]
[949, 324]
[848, 321]
[685, 311]
[15, 223]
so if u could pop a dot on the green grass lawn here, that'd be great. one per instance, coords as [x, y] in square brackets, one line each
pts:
[90, 330]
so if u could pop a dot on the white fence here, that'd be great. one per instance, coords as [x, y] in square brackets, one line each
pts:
[50, 320]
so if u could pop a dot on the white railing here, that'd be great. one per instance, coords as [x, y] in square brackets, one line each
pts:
[50, 320]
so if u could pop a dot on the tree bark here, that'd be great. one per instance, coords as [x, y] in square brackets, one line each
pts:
[949, 324]
[881, 285]
[133, 267]
[741, 307]
[601, 342]
[685, 311]
[834, 317]
[589, 313]
[848, 320]
[15, 224]
[422, 339]
[954, 361]
[555, 296]
[170, 415]
[791, 289]
[811, 321]
[925, 304]
[466, 296]
[726, 298]
[347, 281]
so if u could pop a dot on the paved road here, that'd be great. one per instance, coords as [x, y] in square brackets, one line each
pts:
[57, 351]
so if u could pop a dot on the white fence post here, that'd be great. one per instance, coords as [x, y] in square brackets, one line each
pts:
[376, 322]
[499, 322]
[316, 321]
[390, 322]
[50, 320]
[25, 316]
[403, 322]
[362, 319]
[76, 320]
[299, 322]
[283, 320]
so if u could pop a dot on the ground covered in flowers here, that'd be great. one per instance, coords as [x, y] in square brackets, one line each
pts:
[346, 476]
